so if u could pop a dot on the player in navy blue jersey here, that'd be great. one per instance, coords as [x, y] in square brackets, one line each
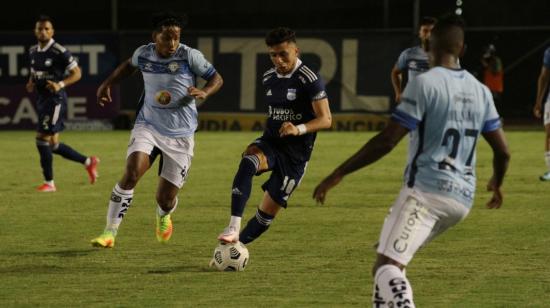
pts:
[49, 64]
[298, 107]
[414, 60]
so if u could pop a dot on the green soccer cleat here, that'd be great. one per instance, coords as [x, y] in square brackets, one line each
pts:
[164, 228]
[545, 176]
[105, 240]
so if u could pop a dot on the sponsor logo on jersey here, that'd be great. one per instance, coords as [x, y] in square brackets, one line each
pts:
[173, 66]
[320, 95]
[291, 94]
[269, 92]
[284, 114]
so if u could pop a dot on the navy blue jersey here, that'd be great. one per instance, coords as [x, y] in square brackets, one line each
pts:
[289, 98]
[49, 63]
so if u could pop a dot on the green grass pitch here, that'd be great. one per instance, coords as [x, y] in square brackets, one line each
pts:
[312, 256]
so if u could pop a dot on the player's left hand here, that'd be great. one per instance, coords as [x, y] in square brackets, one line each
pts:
[54, 87]
[288, 129]
[320, 192]
[197, 93]
[496, 199]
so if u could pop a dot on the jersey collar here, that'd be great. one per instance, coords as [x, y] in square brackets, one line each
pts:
[50, 43]
[298, 63]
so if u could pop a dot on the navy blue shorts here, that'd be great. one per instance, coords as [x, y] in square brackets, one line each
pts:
[51, 112]
[285, 174]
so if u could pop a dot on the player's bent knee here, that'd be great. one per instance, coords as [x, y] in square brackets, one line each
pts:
[130, 179]
[262, 159]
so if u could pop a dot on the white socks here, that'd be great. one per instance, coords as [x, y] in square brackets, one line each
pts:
[118, 206]
[162, 212]
[377, 300]
[547, 159]
[393, 287]
[235, 222]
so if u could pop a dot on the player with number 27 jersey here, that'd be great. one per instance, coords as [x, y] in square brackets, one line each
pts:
[464, 110]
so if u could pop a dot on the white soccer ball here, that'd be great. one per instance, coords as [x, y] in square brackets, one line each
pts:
[230, 257]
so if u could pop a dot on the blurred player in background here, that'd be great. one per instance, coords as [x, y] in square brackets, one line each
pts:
[298, 108]
[542, 90]
[49, 62]
[412, 60]
[165, 123]
[493, 73]
[446, 109]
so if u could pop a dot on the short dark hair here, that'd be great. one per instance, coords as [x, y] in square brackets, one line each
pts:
[447, 22]
[167, 19]
[428, 20]
[280, 35]
[44, 18]
[449, 33]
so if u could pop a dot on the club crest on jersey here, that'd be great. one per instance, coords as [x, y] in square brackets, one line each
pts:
[291, 94]
[173, 66]
[48, 62]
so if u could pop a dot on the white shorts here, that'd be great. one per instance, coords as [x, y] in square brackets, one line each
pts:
[546, 114]
[416, 218]
[176, 152]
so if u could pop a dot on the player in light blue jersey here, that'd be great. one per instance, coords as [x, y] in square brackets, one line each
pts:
[414, 60]
[542, 90]
[165, 122]
[446, 109]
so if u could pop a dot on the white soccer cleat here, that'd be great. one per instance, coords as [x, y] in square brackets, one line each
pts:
[545, 177]
[229, 235]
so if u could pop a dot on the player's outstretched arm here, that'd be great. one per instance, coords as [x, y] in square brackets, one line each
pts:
[542, 86]
[501, 158]
[124, 70]
[212, 86]
[376, 148]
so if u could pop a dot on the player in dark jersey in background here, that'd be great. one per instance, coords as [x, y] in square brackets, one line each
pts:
[49, 62]
[298, 108]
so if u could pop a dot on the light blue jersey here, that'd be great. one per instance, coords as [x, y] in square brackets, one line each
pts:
[445, 110]
[166, 106]
[414, 60]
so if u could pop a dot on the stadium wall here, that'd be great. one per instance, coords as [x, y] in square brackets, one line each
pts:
[354, 65]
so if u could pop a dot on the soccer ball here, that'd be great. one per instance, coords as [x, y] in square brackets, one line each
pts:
[230, 257]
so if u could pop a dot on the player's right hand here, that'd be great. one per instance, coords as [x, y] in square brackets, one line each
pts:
[103, 95]
[537, 112]
[397, 98]
[29, 86]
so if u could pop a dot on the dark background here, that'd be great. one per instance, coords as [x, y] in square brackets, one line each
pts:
[519, 29]
[254, 14]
